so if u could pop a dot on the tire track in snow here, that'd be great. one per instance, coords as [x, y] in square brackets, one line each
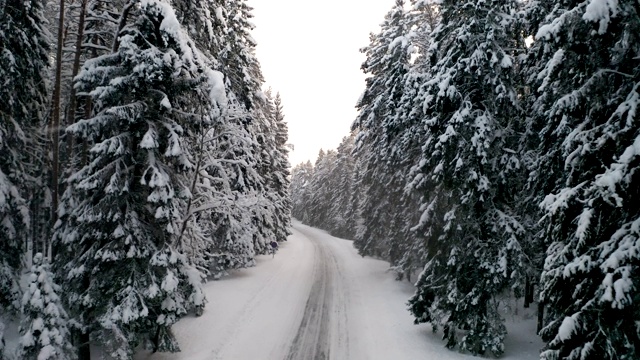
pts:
[246, 315]
[323, 325]
[342, 295]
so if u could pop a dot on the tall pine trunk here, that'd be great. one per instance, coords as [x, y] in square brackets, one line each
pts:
[55, 124]
[73, 102]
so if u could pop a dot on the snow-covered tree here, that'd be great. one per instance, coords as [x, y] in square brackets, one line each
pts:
[471, 115]
[121, 213]
[221, 28]
[322, 189]
[325, 196]
[584, 77]
[278, 184]
[43, 329]
[263, 128]
[238, 55]
[23, 64]
[387, 62]
[388, 56]
[235, 192]
[239, 158]
[342, 211]
[301, 176]
[89, 30]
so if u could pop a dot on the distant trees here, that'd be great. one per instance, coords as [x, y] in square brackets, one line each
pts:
[325, 195]
[172, 166]
[493, 166]
[301, 176]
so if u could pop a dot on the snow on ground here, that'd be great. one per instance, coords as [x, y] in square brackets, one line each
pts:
[319, 299]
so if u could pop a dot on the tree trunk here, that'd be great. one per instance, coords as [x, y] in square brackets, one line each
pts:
[540, 317]
[73, 102]
[83, 337]
[55, 119]
[84, 348]
[85, 142]
[528, 292]
[121, 23]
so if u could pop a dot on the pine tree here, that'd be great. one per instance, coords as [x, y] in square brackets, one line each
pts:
[471, 116]
[322, 189]
[44, 332]
[89, 32]
[342, 214]
[235, 191]
[121, 213]
[245, 80]
[263, 130]
[238, 55]
[24, 43]
[280, 176]
[388, 56]
[221, 30]
[386, 140]
[585, 81]
[409, 249]
[301, 177]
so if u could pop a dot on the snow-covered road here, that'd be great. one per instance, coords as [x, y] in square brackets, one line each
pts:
[317, 299]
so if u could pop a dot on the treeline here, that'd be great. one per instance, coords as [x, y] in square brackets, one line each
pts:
[139, 158]
[496, 150]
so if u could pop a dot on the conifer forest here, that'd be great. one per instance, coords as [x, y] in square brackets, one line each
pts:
[495, 156]
[497, 153]
[140, 157]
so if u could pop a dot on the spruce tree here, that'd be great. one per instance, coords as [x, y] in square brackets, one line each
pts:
[238, 55]
[120, 216]
[471, 114]
[235, 190]
[238, 153]
[263, 130]
[24, 43]
[322, 189]
[280, 182]
[221, 29]
[388, 56]
[43, 329]
[584, 77]
[342, 214]
[301, 177]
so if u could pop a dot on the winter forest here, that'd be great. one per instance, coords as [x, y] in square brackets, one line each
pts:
[495, 155]
[140, 158]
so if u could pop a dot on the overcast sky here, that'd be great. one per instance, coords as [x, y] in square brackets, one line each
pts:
[309, 52]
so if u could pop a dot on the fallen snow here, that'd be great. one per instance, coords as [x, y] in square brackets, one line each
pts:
[255, 313]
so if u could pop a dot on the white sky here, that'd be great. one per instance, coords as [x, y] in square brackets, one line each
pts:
[309, 52]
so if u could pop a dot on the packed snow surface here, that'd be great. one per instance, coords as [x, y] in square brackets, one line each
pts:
[318, 299]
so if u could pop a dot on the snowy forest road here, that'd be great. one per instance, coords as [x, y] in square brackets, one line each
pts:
[316, 299]
[325, 311]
